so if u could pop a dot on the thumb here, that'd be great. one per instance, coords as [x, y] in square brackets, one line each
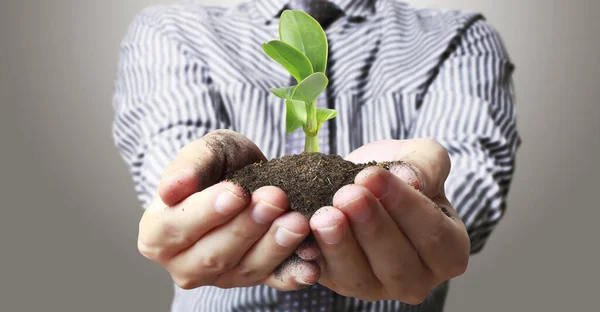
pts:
[426, 162]
[204, 162]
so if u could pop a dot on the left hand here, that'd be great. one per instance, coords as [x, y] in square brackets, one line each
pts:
[392, 235]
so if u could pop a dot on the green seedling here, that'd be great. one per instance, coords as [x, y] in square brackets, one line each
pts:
[302, 51]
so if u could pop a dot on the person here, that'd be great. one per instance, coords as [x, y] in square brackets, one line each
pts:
[430, 87]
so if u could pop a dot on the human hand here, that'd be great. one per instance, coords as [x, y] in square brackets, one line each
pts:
[392, 235]
[205, 233]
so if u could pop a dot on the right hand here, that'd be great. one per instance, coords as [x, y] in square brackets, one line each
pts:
[204, 233]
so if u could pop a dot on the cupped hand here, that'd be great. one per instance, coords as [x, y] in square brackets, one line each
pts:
[206, 232]
[392, 235]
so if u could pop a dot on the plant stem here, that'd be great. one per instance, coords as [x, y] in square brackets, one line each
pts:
[311, 143]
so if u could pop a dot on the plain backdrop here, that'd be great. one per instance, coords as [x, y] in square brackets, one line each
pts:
[69, 217]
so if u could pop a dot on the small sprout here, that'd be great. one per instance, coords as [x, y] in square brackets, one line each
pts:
[302, 50]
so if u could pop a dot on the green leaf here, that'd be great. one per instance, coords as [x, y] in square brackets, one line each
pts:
[284, 93]
[304, 33]
[296, 63]
[298, 109]
[295, 115]
[324, 114]
[308, 90]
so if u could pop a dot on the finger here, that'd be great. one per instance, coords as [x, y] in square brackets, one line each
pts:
[430, 163]
[293, 274]
[205, 162]
[411, 175]
[342, 255]
[309, 249]
[391, 256]
[221, 249]
[166, 231]
[441, 242]
[270, 260]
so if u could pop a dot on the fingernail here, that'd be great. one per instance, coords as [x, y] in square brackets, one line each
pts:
[287, 238]
[358, 212]
[408, 174]
[228, 202]
[264, 212]
[301, 284]
[380, 187]
[331, 235]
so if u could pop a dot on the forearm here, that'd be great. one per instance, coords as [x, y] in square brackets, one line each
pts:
[469, 109]
[157, 110]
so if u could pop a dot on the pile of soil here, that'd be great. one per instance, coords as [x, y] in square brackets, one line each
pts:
[310, 180]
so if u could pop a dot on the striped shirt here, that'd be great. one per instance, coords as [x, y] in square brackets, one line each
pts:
[395, 72]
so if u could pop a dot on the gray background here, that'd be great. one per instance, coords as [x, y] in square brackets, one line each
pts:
[69, 217]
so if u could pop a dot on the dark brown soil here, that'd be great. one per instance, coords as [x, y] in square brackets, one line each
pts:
[310, 179]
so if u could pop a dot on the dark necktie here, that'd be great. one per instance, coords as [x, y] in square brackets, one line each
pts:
[315, 298]
[323, 11]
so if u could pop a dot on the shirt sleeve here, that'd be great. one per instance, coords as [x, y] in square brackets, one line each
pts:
[162, 100]
[469, 109]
